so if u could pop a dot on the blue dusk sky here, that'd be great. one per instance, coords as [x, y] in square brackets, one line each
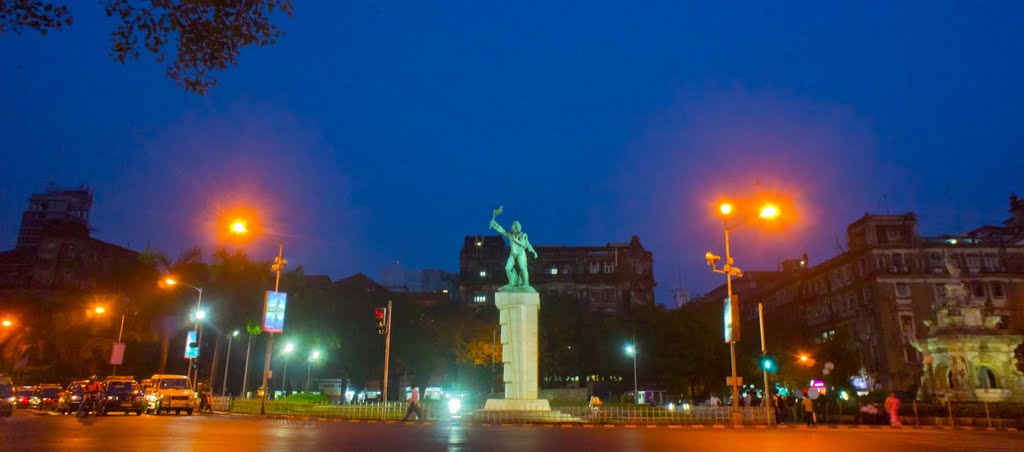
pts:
[382, 131]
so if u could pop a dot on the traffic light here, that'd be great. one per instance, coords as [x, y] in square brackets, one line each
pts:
[768, 364]
[381, 314]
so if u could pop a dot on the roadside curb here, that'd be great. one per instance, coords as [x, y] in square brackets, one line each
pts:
[682, 427]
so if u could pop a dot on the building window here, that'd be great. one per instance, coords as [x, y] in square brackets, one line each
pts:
[986, 378]
[479, 298]
[894, 235]
[941, 291]
[639, 268]
[552, 271]
[972, 262]
[991, 262]
[609, 267]
[595, 267]
[1004, 322]
[483, 273]
[934, 260]
[978, 290]
[902, 290]
[997, 290]
[897, 261]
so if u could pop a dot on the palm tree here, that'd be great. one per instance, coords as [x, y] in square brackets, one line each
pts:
[254, 330]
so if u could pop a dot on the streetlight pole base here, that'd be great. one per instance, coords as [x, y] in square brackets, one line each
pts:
[737, 418]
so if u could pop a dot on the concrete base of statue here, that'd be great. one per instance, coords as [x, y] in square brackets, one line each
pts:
[519, 323]
[517, 405]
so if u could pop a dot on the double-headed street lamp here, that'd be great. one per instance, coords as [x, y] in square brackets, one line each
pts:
[729, 212]
[241, 227]
[196, 317]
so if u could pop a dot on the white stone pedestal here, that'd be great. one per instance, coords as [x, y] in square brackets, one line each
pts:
[519, 323]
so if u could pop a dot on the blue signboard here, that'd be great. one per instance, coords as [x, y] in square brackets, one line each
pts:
[273, 311]
[191, 345]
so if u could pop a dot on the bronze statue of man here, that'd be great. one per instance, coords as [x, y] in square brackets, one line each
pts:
[515, 267]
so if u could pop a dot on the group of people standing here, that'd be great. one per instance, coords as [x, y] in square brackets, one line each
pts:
[806, 407]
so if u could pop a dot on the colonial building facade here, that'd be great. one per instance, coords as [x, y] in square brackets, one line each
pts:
[609, 278]
[879, 297]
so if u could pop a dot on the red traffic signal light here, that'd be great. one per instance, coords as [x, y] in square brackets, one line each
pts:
[381, 314]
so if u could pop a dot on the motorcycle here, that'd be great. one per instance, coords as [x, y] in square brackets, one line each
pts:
[93, 403]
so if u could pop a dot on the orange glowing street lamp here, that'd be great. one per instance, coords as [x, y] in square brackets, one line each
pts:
[768, 211]
[7, 323]
[240, 227]
[99, 310]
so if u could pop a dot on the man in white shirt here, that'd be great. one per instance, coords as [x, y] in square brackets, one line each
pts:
[414, 405]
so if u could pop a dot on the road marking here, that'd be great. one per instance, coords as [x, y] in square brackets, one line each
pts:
[674, 426]
[567, 426]
[698, 426]
[652, 426]
[629, 426]
[609, 425]
[718, 426]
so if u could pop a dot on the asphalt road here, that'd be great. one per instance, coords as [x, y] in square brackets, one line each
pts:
[227, 433]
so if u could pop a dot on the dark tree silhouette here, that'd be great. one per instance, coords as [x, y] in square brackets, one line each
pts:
[197, 37]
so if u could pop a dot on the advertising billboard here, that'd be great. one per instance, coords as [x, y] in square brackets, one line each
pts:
[191, 345]
[117, 353]
[731, 319]
[273, 311]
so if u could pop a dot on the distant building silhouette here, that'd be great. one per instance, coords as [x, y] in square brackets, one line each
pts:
[610, 278]
[53, 208]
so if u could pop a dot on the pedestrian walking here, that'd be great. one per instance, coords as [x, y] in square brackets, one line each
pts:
[414, 406]
[809, 411]
[892, 406]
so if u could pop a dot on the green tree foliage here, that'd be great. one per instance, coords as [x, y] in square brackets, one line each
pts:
[194, 37]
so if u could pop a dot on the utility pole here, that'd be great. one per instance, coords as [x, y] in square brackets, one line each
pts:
[279, 263]
[764, 354]
[387, 358]
[119, 340]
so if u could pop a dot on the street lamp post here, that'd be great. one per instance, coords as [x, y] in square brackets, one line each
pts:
[768, 212]
[120, 332]
[284, 375]
[315, 356]
[764, 355]
[279, 263]
[631, 351]
[198, 315]
[227, 362]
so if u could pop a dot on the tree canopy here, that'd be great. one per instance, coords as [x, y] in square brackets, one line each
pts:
[193, 38]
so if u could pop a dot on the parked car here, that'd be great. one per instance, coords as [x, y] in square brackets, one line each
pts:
[23, 396]
[123, 394]
[71, 397]
[170, 393]
[45, 397]
[7, 399]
